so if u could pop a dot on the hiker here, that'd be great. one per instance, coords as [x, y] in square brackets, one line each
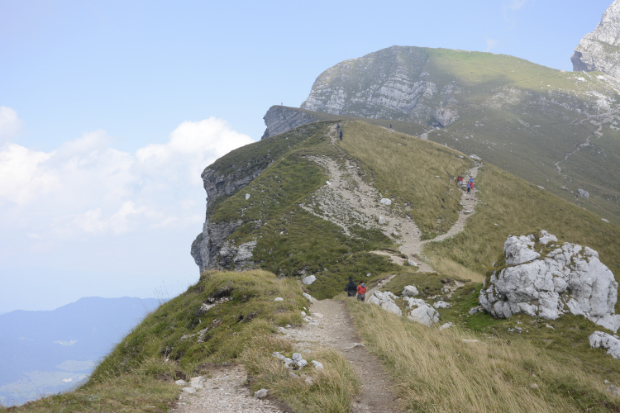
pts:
[338, 126]
[340, 135]
[468, 186]
[390, 126]
[351, 288]
[361, 291]
[459, 181]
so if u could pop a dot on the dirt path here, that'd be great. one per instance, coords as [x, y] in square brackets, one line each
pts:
[347, 200]
[223, 392]
[330, 325]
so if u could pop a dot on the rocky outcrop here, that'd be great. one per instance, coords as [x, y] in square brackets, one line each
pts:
[386, 301]
[421, 312]
[208, 245]
[544, 278]
[600, 49]
[598, 339]
[392, 83]
[280, 119]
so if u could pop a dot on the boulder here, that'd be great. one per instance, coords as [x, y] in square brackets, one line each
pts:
[583, 193]
[604, 340]
[308, 296]
[444, 326]
[382, 221]
[386, 301]
[317, 365]
[386, 201]
[278, 299]
[441, 304]
[544, 278]
[421, 312]
[308, 280]
[261, 394]
[410, 291]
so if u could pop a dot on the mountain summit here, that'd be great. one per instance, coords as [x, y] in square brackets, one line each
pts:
[600, 49]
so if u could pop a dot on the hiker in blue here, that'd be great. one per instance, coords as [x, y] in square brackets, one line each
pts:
[340, 135]
[351, 288]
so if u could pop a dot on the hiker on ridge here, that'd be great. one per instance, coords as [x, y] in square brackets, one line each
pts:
[459, 181]
[361, 291]
[468, 186]
[340, 135]
[351, 288]
[338, 126]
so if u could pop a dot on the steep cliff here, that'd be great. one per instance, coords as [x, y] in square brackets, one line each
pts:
[600, 49]
[280, 119]
[392, 83]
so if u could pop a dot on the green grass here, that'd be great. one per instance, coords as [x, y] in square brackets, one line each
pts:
[137, 376]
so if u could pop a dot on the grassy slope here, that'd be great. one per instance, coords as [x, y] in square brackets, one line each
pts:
[526, 136]
[136, 377]
[520, 130]
[518, 207]
[410, 170]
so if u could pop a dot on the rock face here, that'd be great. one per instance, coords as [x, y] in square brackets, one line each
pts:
[604, 340]
[600, 50]
[210, 249]
[544, 278]
[280, 119]
[392, 83]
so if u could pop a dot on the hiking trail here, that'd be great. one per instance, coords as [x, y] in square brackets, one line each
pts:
[346, 200]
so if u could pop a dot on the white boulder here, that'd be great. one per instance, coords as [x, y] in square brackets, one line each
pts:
[278, 299]
[421, 312]
[410, 291]
[441, 304]
[444, 326]
[247, 196]
[382, 221]
[566, 278]
[385, 300]
[317, 365]
[604, 340]
[386, 201]
[308, 280]
[261, 394]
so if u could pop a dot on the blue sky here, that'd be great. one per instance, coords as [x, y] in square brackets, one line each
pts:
[110, 110]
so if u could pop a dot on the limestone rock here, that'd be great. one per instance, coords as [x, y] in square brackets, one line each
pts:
[604, 340]
[317, 365]
[441, 304]
[189, 390]
[278, 299]
[181, 382]
[388, 84]
[386, 301]
[386, 201]
[247, 196]
[613, 390]
[382, 221]
[421, 312]
[547, 279]
[444, 326]
[308, 280]
[261, 394]
[308, 296]
[410, 291]
[280, 119]
[583, 193]
[600, 49]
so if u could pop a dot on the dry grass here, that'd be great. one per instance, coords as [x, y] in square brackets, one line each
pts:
[409, 170]
[333, 387]
[511, 206]
[438, 372]
[456, 270]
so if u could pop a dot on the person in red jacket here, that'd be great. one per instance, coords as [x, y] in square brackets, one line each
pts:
[361, 291]
[459, 181]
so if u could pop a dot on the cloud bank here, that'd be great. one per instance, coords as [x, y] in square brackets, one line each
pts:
[85, 187]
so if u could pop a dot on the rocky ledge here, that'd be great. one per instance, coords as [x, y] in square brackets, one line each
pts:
[600, 49]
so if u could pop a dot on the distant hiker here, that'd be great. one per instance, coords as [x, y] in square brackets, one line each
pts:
[471, 180]
[351, 288]
[281, 103]
[340, 135]
[459, 181]
[361, 291]
[390, 126]
[468, 186]
[338, 126]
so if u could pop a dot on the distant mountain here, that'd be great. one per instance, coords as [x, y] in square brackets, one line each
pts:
[553, 128]
[50, 351]
[600, 50]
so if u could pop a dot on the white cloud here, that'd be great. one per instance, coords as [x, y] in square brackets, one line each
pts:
[509, 8]
[491, 43]
[514, 4]
[87, 188]
[10, 124]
